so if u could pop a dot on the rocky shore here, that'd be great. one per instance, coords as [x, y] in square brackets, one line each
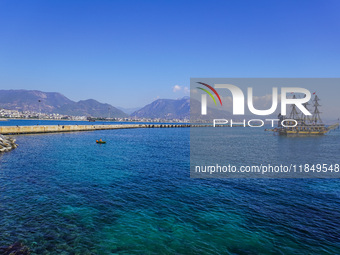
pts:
[7, 143]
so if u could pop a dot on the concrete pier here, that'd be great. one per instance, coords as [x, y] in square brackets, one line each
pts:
[16, 130]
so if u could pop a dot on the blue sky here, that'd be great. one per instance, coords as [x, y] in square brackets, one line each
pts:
[127, 53]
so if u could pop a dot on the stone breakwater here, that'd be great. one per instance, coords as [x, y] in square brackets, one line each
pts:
[17, 130]
[7, 143]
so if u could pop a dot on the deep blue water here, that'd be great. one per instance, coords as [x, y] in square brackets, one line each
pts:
[65, 194]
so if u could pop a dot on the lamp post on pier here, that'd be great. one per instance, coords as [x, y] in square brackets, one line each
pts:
[39, 101]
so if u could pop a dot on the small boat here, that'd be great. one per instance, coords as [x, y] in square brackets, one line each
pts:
[100, 141]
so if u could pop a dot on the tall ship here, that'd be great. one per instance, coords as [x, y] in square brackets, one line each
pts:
[306, 125]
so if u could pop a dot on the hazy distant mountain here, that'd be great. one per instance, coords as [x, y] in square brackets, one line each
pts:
[129, 110]
[165, 109]
[195, 113]
[178, 109]
[52, 102]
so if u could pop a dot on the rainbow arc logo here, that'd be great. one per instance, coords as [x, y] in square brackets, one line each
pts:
[209, 93]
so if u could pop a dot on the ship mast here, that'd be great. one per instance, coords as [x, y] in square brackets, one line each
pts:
[305, 118]
[294, 113]
[316, 114]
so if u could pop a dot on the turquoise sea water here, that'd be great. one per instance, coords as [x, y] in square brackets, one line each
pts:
[65, 194]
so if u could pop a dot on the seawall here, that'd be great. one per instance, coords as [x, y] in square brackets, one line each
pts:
[17, 130]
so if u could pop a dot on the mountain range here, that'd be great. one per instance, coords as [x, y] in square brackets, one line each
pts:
[53, 102]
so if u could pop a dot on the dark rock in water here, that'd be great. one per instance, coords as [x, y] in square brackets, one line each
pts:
[15, 249]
